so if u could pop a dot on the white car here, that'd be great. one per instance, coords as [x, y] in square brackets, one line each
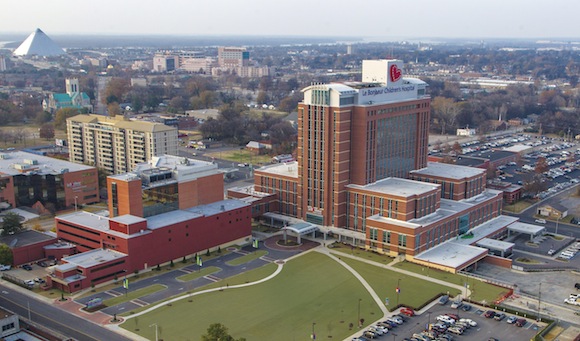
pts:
[469, 322]
[5, 267]
[541, 221]
[445, 319]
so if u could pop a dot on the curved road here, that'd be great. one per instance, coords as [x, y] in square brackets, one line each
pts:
[54, 318]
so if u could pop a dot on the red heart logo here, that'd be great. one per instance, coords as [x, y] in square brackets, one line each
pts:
[395, 73]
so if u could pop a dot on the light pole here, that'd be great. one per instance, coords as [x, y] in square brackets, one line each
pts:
[428, 319]
[398, 290]
[358, 315]
[313, 333]
[156, 327]
[539, 301]
[394, 336]
[76, 206]
[557, 221]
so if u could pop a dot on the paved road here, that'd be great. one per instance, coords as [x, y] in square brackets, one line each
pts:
[54, 318]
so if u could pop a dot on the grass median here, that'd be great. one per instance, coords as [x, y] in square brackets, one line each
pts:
[247, 258]
[197, 274]
[134, 294]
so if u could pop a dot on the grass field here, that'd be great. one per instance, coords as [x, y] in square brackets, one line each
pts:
[311, 289]
[241, 156]
[375, 257]
[414, 291]
[480, 291]
[247, 258]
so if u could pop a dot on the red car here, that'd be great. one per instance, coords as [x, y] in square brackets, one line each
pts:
[407, 312]
[520, 322]
[489, 314]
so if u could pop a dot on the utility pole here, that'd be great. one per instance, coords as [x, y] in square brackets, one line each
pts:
[539, 301]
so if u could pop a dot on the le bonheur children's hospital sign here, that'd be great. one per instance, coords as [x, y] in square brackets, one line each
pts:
[395, 89]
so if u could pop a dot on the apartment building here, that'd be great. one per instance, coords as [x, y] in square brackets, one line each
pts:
[117, 144]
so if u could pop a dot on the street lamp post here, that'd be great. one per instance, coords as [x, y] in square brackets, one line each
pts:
[557, 221]
[313, 333]
[76, 198]
[398, 290]
[394, 336]
[539, 301]
[358, 315]
[156, 330]
[428, 319]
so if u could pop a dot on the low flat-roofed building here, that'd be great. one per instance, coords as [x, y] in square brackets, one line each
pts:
[28, 179]
[27, 246]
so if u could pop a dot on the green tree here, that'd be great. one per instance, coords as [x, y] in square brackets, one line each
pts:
[218, 332]
[12, 223]
[6, 256]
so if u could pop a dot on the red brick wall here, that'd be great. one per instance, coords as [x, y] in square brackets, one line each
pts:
[499, 261]
[30, 253]
[84, 185]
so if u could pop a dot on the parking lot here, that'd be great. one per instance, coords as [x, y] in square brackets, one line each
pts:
[486, 327]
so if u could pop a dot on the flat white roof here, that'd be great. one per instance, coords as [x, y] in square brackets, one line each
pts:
[289, 169]
[217, 207]
[526, 228]
[398, 187]
[452, 254]
[93, 257]
[488, 228]
[46, 165]
[448, 171]
[128, 219]
[458, 251]
[494, 244]
[170, 218]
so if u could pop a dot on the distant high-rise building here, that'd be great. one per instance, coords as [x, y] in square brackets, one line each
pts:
[117, 144]
[165, 62]
[2, 63]
[349, 49]
[233, 57]
[38, 44]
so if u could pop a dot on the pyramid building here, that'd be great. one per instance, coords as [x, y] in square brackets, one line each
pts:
[39, 44]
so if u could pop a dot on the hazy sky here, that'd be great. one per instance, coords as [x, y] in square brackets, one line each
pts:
[363, 18]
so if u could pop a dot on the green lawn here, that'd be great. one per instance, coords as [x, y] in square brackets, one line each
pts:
[375, 257]
[481, 291]
[414, 291]
[247, 258]
[311, 289]
[134, 294]
[197, 274]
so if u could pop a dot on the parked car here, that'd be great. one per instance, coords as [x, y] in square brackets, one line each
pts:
[466, 307]
[551, 252]
[27, 267]
[520, 322]
[29, 282]
[499, 316]
[577, 286]
[512, 319]
[409, 312]
[5, 267]
[540, 221]
[489, 314]
[456, 304]
[469, 321]
[444, 299]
